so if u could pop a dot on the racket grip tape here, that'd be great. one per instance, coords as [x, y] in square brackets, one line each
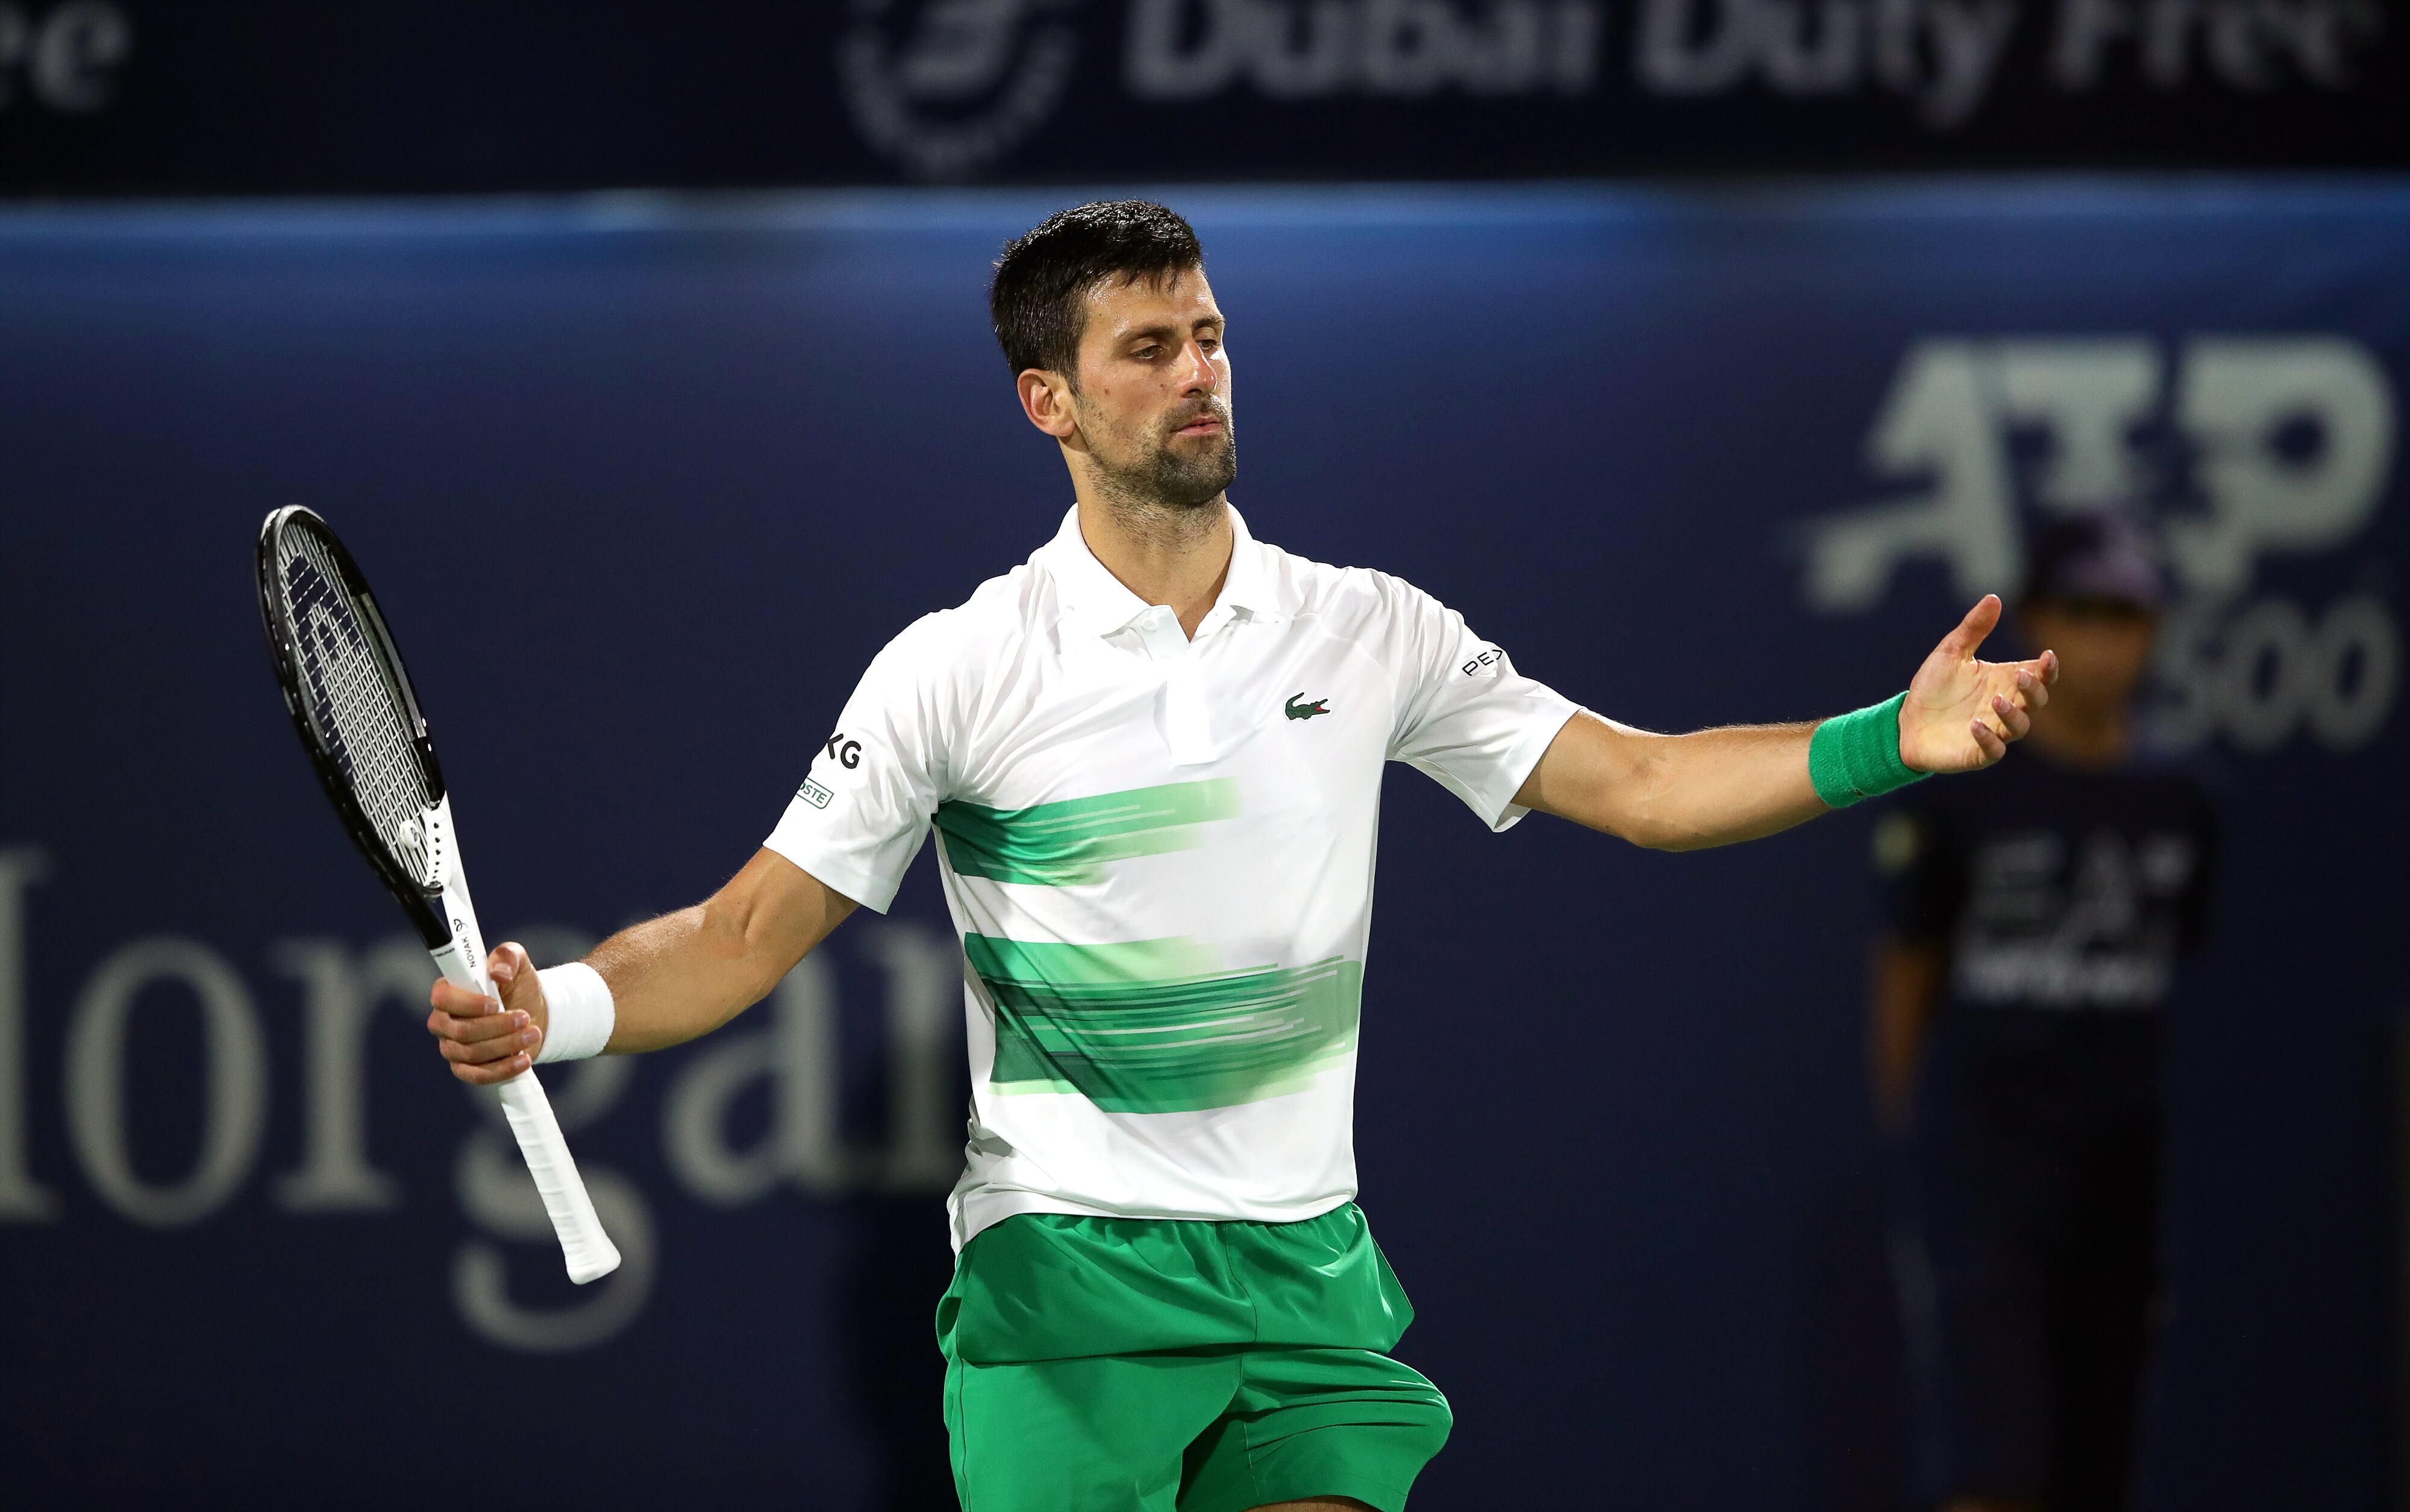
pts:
[587, 1249]
[462, 960]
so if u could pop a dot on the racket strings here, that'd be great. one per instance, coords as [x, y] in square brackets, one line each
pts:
[354, 703]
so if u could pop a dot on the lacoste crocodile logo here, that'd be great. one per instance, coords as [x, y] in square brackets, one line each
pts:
[1306, 711]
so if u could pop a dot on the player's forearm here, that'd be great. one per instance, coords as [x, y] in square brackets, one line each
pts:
[1716, 787]
[1676, 792]
[687, 973]
[676, 977]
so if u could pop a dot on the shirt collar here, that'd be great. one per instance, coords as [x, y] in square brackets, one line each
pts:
[1249, 587]
[1096, 600]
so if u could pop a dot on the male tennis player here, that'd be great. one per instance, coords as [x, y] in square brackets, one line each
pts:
[1154, 753]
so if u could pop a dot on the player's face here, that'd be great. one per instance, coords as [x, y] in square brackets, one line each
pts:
[1154, 394]
[2103, 647]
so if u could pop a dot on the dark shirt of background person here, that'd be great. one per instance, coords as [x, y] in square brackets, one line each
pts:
[2035, 921]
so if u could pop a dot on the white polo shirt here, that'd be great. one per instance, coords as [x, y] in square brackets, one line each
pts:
[1158, 854]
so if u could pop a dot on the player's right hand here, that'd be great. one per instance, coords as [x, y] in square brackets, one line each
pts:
[490, 1039]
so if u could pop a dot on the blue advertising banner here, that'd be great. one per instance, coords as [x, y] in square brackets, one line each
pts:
[644, 484]
[449, 96]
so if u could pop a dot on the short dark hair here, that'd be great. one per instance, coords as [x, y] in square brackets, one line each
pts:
[1036, 298]
[2099, 559]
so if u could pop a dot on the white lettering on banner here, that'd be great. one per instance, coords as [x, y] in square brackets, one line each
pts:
[342, 992]
[946, 87]
[1939, 422]
[2246, 44]
[797, 1056]
[236, 1104]
[1942, 54]
[2291, 443]
[1947, 419]
[2237, 395]
[2261, 709]
[69, 56]
[2354, 672]
[22, 1200]
[2263, 674]
[1185, 49]
[340, 996]
[498, 1196]
[2089, 396]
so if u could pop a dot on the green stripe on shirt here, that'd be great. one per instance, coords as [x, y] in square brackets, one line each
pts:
[1066, 843]
[1141, 1027]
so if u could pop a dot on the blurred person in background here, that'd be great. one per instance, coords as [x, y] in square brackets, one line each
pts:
[2034, 924]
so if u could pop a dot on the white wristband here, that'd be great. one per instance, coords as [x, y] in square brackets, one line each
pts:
[582, 1013]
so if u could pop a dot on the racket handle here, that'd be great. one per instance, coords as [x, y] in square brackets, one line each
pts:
[462, 960]
[587, 1249]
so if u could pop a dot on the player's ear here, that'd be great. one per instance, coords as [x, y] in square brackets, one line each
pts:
[1046, 399]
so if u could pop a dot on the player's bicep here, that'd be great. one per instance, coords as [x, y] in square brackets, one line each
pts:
[776, 912]
[1587, 765]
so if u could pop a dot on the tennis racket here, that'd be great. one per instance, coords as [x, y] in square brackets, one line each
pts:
[358, 719]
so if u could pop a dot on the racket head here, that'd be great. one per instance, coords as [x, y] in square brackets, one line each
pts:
[353, 705]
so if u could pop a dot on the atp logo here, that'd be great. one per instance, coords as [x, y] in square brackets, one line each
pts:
[2234, 449]
[947, 87]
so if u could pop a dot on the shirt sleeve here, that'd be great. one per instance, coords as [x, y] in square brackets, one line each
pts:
[1465, 717]
[865, 807]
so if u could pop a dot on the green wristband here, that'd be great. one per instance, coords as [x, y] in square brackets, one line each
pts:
[1855, 756]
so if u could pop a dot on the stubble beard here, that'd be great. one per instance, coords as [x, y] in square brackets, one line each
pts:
[1163, 489]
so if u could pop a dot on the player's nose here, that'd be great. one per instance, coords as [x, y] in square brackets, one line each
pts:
[1198, 374]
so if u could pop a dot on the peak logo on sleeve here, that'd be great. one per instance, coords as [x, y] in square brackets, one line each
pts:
[1486, 662]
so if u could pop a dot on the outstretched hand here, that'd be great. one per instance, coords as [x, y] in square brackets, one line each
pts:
[1960, 713]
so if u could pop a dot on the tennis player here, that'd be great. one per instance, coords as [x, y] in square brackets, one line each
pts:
[1153, 755]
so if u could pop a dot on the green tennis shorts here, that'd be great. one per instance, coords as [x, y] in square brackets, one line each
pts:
[1147, 1365]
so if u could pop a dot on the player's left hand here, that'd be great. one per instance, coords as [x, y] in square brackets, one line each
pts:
[1960, 713]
